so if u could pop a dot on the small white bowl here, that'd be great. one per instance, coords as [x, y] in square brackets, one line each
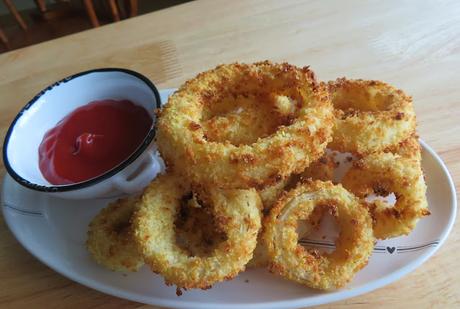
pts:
[46, 109]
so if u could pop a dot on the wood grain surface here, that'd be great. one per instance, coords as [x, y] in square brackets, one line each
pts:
[414, 45]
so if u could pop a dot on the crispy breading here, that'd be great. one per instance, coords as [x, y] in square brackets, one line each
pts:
[300, 135]
[370, 116]
[385, 173]
[236, 212]
[408, 148]
[110, 240]
[317, 270]
[322, 169]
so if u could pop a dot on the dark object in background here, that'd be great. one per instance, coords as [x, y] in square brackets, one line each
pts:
[129, 10]
[64, 17]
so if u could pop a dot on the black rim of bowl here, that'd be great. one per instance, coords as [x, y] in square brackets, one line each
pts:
[80, 185]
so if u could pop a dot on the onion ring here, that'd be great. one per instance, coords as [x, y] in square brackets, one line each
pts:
[110, 239]
[370, 116]
[309, 267]
[382, 174]
[236, 212]
[322, 169]
[304, 121]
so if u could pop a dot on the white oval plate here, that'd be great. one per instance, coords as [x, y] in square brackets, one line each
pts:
[54, 231]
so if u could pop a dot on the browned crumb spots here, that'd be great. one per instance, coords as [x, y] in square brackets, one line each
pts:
[222, 220]
[229, 277]
[330, 207]
[380, 190]
[315, 253]
[275, 268]
[349, 113]
[178, 291]
[194, 126]
[426, 212]
[245, 158]
[207, 95]
[399, 116]
[276, 177]
[358, 164]
[392, 212]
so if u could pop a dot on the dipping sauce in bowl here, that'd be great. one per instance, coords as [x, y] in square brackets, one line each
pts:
[92, 140]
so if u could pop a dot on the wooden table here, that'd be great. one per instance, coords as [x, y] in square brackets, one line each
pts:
[414, 45]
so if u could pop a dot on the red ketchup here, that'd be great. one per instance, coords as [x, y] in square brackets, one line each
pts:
[91, 140]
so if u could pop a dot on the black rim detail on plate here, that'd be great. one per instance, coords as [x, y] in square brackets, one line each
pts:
[377, 249]
[143, 146]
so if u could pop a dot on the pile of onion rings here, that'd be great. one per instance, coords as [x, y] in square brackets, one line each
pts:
[251, 156]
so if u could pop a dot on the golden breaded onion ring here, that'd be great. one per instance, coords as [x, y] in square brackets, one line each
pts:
[301, 106]
[370, 116]
[317, 270]
[110, 239]
[382, 174]
[322, 169]
[236, 212]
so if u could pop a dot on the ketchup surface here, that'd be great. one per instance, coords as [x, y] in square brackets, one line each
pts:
[91, 140]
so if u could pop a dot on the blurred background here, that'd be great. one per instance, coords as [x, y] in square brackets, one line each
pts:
[28, 22]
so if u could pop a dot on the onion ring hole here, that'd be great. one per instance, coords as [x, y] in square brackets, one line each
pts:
[196, 231]
[319, 231]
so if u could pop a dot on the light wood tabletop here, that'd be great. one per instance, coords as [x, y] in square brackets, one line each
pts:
[414, 45]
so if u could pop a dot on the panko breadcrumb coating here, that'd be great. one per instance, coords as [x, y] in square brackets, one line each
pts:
[321, 169]
[243, 142]
[301, 133]
[317, 270]
[370, 116]
[408, 148]
[236, 212]
[381, 174]
[110, 239]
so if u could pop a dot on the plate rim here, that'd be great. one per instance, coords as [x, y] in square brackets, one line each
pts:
[304, 301]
